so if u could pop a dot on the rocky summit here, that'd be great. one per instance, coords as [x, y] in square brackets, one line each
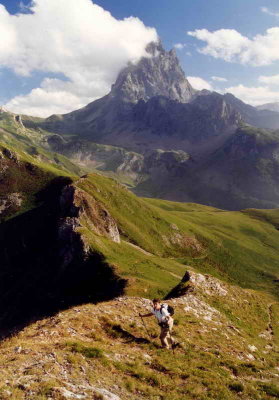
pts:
[160, 74]
[152, 105]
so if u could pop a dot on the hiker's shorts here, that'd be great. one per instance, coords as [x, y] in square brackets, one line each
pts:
[165, 335]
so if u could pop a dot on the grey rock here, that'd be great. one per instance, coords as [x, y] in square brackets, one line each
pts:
[10, 202]
[157, 75]
[10, 155]
[76, 204]
[106, 394]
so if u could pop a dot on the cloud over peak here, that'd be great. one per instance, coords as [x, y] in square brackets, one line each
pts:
[199, 83]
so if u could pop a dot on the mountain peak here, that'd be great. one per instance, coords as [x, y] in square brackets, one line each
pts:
[159, 74]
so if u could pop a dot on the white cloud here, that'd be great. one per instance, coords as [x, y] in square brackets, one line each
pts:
[269, 80]
[78, 39]
[254, 95]
[54, 96]
[231, 46]
[199, 83]
[218, 79]
[269, 12]
[179, 46]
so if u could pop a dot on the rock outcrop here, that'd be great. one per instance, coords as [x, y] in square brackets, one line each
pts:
[78, 206]
[10, 204]
[157, 75]
[198, 283]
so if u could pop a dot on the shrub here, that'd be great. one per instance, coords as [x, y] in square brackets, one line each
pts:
[271, 390]
[86, 351]
[236, 387]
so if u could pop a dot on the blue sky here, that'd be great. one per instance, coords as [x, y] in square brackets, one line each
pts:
[173, 19]
[234, 32]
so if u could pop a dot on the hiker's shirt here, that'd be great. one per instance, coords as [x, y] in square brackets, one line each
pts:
[161, 315]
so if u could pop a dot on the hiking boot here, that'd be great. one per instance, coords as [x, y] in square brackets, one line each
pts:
[174, 345]
[165, 347]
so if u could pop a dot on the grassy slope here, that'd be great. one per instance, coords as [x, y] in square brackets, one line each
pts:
[81, 347]
[240, 248]
[231, 245]
[27, 143]
[27, 176]
[95, 347]
[35, 167]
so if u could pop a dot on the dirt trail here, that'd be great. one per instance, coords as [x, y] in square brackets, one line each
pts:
[268, 334]
[138, 248]
[269, 326]
[175, 275]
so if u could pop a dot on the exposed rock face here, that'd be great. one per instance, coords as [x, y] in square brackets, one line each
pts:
[158, 75]
[259, 117]
[10, 203]
[78, 208]
[182, 240]
[205, 284]
[159, 164]
[92, 155]
[10, 155]
[78, 205]
[209, 285]
[199, 308]
[18, 120]
[192, 127]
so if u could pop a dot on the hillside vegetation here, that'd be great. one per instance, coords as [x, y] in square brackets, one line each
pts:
[26, 167]
[234, 246]
[28, 144]
[81, 256]
[228, 349]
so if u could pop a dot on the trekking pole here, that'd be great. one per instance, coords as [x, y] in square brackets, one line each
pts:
[145, 327]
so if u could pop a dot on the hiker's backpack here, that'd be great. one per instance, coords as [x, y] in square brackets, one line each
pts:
[169, 309]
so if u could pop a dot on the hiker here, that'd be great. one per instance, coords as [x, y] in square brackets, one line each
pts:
[165, 321]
